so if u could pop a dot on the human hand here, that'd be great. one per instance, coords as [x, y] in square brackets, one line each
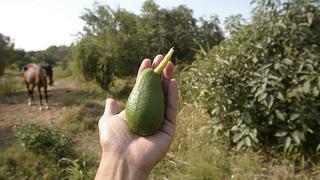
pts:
[126, 155]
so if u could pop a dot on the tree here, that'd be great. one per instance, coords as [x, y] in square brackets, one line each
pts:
[6, 52]
[115, 41]
[261, 86]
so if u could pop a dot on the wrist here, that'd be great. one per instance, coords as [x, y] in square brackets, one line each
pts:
[117, 167]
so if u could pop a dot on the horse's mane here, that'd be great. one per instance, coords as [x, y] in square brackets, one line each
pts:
[48, 69]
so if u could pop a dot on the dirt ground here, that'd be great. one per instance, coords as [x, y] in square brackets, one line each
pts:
[14, 109]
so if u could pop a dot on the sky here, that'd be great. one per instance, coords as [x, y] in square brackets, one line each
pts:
[37, 24]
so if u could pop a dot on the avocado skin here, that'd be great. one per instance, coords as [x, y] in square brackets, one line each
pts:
[145, 107]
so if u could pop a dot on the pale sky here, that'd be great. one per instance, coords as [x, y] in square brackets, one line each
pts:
[37, 24]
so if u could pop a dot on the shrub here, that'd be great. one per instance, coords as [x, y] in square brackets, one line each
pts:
[80, 168]
[43, 140]
[262, 84]
[9, 86]
[17, 163]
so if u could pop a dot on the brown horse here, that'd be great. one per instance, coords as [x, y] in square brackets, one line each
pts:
[38, 75]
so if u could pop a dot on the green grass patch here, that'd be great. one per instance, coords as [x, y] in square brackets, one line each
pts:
[83, 117]
[11, 86]
[61, 73]
[19, 163]
[43, 152]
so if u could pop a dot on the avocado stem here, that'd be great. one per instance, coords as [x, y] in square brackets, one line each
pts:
[164, 62]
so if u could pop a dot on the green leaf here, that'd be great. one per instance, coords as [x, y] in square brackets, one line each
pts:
[288, 61]
[318, 149]
[281, 133]
[254, 138]
[280, 96]
[247, 117]
[260, 91]
[315, 92]
[276, 66]
[248, 141]
[234, 128]
[310, 18]
[254, 59]
[281, 24]
[240, 145]
[295, 138]
[280, 115]
[270, 101]
[306, 87]
[294, 116]
[287, 143]
[282, 70]
[239, 135]
[259, 46]
[262, 97]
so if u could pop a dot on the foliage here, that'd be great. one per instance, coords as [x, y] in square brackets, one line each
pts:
[10, 87]
[52, 55]
[44, 140]
[19, 163]
[262, 84]
[79, 168]
[16, 163]
[115, 41]
[6, 52]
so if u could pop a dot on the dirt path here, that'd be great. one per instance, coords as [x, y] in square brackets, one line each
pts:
[14, 109]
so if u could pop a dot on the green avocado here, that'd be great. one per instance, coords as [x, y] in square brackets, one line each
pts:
[145, 108]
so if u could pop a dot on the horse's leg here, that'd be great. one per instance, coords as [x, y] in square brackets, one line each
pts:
[46, 96]
[29, 94]
[40, 97]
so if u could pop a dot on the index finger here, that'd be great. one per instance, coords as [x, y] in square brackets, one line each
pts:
[167, 75]
[172, 101]
[146, 63]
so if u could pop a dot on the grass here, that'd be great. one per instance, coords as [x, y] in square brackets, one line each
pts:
[10, 87]
[24, 162]
[83, 117]
[18, 163]
[61, 73]
[11, 83]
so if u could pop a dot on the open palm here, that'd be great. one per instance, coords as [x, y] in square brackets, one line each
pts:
[140, 152]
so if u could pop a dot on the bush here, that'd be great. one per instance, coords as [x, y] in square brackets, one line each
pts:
[9, 86]
[262, 85]
[44, 140]
[16, 163]
[80, 168]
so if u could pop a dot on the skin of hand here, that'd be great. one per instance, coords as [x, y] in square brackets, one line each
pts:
[129, 156]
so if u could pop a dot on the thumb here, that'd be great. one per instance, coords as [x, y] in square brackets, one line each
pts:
[112, 107]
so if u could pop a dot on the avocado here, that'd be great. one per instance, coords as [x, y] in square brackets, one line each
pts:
[145, 108]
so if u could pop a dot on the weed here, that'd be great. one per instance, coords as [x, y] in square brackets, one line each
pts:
[83, 117]
[43, 140]
[10, 86]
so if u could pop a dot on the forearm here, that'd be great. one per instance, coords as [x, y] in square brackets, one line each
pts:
[117, 168]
